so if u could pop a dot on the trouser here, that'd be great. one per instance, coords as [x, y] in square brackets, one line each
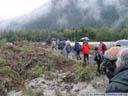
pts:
[78, 55]
[69, 55]
[98, 66]
[61, 50]
[86, 58]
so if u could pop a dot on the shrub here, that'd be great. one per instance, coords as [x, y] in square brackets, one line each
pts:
[7, 70]
[26, 48]
[85, 73]
[3, 42]
[43, 68]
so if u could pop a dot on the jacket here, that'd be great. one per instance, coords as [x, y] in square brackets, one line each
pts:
[77, 47]
[85, 48]
[68, 48]
[119, 83]
[98, 56]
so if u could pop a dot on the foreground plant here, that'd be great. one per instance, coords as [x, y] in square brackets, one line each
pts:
[85, 73]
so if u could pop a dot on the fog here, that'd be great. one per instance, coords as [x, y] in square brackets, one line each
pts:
[87, 8]
[94, 9]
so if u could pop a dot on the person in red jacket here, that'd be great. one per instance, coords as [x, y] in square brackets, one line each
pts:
[102, 47]
[85, 50]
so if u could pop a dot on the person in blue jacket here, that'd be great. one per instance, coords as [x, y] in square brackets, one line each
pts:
[77, 48]
[68, 51]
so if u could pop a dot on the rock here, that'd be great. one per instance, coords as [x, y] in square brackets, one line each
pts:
[14, 93]
[68, 77]
[33, 87]
[60, 80]
[77, 90]
[43, 82]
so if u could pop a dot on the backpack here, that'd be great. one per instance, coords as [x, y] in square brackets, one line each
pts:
[98, 56]
[61, 45]
[104, 47]
[78, 47]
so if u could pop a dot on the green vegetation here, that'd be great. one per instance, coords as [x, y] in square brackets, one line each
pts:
[41, 69]
[21, 61]
[101, 34]
[85, 73]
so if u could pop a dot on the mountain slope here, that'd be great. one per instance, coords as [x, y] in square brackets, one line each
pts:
[59, 14]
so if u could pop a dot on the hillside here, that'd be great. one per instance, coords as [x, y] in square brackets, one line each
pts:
[33, 69]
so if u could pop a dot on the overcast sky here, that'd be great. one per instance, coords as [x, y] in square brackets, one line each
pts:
[12, 8]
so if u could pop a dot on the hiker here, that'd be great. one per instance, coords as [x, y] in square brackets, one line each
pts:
[64, 43]
[109, 61]
[53, 46]
[61, 47]
[98, 57]
[102, 47]
[68, 50]
[58, 43]
[85, 50]
[119, 83]
[77, 49]
[109, 67]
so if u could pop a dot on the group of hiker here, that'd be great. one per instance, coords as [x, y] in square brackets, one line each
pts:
[85, 48]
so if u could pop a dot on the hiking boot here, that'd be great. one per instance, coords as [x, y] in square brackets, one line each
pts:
[84, 64]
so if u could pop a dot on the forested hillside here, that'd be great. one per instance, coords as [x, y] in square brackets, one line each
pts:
[95, 34]
[73, 13]
[61, 14]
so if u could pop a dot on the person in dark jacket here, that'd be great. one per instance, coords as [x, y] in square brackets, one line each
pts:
[119, 83]
[68, 51]
[77, 48]
[109, 61]
[109, 67]
[98, 57]
[61, 47]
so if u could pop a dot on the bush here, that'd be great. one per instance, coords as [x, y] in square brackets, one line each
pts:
[85, 73]
[3, 41]
[41, 69]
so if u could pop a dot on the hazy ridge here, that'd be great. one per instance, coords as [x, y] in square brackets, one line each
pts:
[58, 14]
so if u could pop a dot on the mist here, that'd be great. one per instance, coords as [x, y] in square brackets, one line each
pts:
[95, 9]
[73, 13]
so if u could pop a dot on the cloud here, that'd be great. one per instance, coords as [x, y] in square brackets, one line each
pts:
[12, 8]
